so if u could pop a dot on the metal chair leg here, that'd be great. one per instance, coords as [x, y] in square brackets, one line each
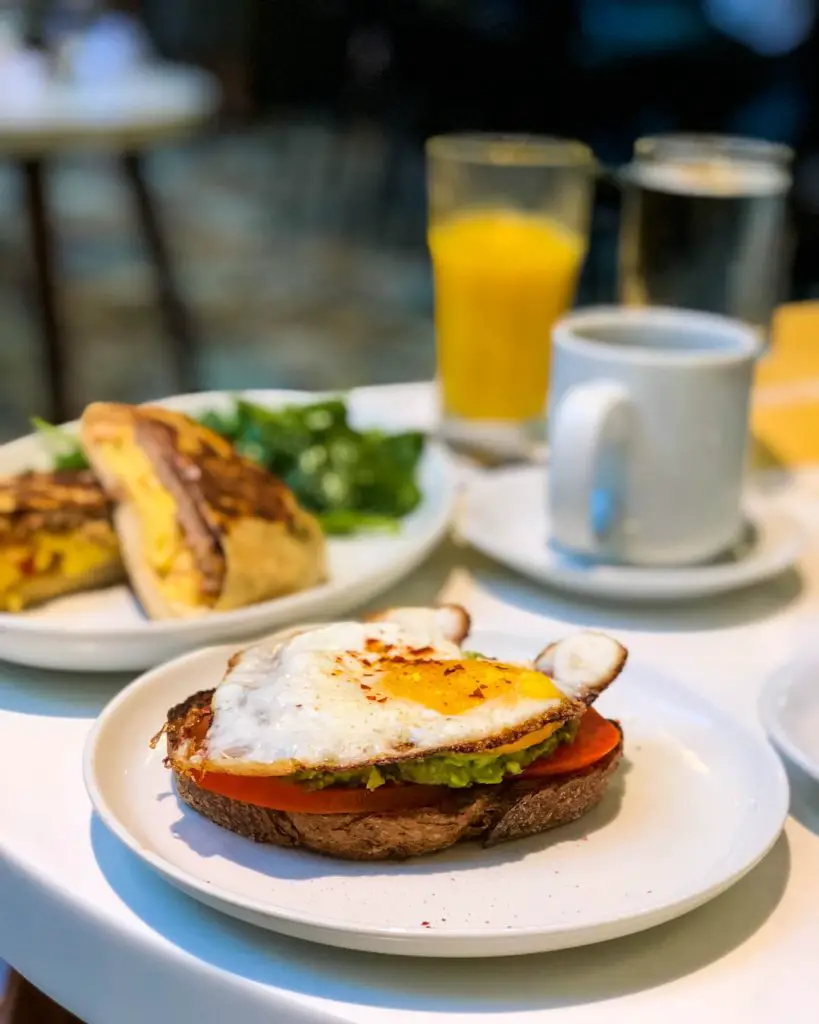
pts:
[177, 319]
[45, 278]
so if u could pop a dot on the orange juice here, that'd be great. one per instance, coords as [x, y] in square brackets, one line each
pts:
[501, 280]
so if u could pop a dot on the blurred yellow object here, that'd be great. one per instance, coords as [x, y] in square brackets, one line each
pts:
[785, 413]
[501, 280]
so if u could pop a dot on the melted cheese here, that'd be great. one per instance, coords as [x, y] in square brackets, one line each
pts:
[532, 738]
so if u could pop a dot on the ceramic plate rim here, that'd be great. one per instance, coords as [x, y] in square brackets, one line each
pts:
[780, 682]
[640, 583]
[436, 459]
[212, 895]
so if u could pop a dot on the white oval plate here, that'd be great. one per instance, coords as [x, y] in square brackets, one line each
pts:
[106, 631]
[698, 804]
[789, 709]
[504, 515]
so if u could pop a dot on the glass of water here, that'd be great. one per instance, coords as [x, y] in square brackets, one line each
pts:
[704, 225]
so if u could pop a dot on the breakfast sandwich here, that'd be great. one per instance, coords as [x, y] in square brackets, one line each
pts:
[56, 537]
[201, 528]
[385, 739]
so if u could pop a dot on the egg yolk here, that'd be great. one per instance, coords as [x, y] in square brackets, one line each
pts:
[455, 687]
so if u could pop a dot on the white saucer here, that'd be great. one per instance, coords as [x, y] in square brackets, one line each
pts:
[504, 515]
[789, 709]
[697, 803]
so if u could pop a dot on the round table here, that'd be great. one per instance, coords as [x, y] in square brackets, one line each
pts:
[141, 108]
[85, 921]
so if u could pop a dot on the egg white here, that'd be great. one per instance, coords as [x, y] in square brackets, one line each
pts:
[299, 704]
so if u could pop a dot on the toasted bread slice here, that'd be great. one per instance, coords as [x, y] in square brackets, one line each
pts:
[56, 537]
[202, 529]
[492, 814]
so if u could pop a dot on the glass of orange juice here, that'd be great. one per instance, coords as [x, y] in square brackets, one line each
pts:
[508, 232]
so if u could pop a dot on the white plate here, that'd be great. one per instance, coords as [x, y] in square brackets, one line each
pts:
[789, 709]
[105, 630]
[505, 515]
[699, 803]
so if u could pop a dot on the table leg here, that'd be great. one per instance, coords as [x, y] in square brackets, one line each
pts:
[177, 319]
[42, 251]
[24, 1004]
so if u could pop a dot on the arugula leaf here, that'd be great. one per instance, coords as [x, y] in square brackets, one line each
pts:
[346, 521]
[330, 466]
[66, 450]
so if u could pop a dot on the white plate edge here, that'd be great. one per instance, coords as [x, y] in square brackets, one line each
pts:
[431, 939]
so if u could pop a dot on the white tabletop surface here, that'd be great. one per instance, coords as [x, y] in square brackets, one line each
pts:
[141, 106]
[87, 923]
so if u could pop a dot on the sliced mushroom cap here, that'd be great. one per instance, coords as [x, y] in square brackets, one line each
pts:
[583, 665]
[451, 619]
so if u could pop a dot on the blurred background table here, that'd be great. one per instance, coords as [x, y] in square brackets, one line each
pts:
[141, 109]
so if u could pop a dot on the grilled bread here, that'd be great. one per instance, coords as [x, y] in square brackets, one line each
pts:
[201, 528]
[384, 739]
[56, 537]
[490, 814]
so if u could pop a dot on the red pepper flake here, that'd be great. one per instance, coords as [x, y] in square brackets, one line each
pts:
[371, 696]
[453, 668]
[425, 924]
[299, 705]
[399, 659]
[364, 686]
[477, 694]
[421, 650]
[382, 700]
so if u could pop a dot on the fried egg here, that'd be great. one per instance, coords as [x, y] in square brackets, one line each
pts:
[341, 696]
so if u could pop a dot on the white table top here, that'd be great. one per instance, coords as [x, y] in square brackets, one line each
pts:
[87, 923]
[141, 107]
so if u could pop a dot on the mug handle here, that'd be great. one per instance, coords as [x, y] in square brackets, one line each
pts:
[587, 420]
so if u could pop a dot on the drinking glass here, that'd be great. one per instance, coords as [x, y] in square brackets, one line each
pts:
[508, 232]
[704, 225]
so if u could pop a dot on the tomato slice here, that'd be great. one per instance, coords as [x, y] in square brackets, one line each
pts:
[595, 738]
[281, 795]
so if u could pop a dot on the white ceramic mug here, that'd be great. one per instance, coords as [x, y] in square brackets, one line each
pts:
[648, 432]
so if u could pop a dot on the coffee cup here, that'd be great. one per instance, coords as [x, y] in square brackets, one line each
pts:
[648, 433]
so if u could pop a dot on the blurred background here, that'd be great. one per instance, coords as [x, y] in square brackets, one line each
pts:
[296, 218]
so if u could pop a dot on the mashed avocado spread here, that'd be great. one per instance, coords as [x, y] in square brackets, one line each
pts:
[454, 770]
